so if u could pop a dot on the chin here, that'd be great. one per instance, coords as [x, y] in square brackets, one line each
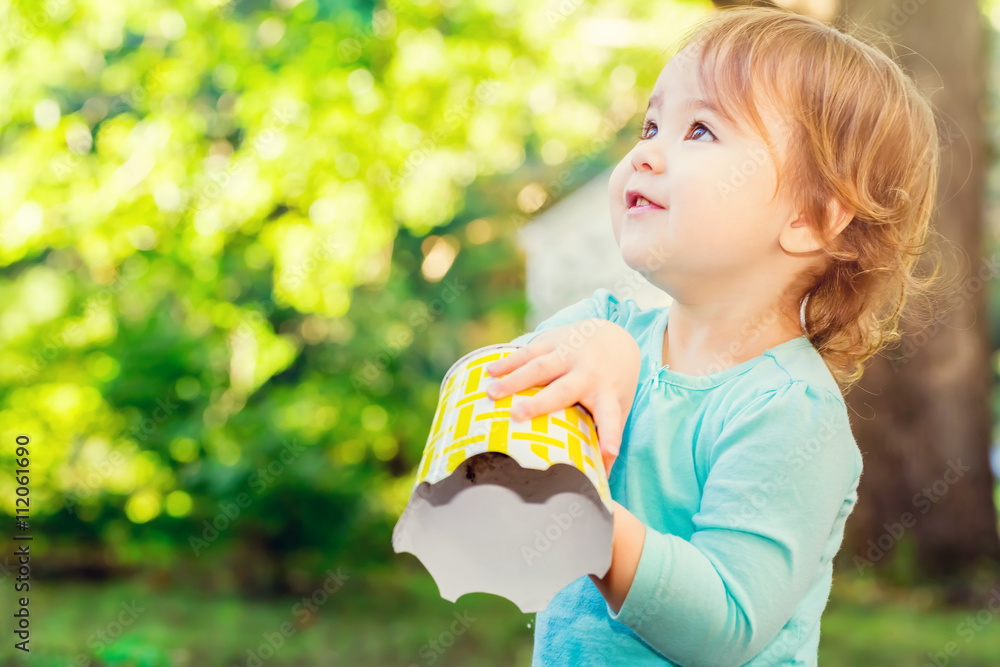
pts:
[639, 259]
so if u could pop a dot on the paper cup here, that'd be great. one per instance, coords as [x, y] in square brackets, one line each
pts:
[513, 508]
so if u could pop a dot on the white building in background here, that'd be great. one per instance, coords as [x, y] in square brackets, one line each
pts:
[570, 251]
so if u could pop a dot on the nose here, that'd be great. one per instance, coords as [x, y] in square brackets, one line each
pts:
[646, 156]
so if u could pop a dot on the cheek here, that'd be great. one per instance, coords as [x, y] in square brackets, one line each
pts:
[616, 195]
[616, 187]
[747, 182]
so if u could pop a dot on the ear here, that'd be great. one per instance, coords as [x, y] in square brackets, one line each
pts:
[798, 236]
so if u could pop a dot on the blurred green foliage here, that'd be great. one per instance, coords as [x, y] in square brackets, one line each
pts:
[242, 243]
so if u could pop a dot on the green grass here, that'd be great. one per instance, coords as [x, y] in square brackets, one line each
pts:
[869, 625]
[389, 618]
[385, 618]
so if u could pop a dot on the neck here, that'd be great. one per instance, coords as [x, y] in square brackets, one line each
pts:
[707, 338]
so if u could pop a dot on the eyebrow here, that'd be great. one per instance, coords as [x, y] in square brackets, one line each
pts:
[694, 104]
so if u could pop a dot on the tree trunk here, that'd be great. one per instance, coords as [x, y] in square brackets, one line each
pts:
[921, 414]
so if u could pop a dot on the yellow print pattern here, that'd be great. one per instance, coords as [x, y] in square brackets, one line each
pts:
[467, 422]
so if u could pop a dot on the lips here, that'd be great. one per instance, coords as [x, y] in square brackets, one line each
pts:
[632, 200]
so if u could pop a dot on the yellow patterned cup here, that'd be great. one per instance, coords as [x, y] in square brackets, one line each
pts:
[514, 508]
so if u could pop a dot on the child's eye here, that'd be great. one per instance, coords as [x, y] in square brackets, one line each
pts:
[697, 124]
[651, 125]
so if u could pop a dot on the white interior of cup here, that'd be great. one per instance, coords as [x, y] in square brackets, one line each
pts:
[494, 527]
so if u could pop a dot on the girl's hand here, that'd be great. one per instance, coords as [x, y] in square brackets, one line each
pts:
[592, 362]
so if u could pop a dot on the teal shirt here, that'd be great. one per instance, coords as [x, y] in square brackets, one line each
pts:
[744, 479]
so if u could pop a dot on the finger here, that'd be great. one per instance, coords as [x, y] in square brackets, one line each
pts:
[512, 360]
[608, 419]
[538, 371]
[558, 394]
[609, 461]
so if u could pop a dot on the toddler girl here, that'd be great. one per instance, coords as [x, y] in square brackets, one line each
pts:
[780, 192]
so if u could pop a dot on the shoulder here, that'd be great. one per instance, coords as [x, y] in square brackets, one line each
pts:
[628, 314]
[613, 308]
[601, 304]
[793, 365]
[606, 305]
[803, 363]
[795, 414]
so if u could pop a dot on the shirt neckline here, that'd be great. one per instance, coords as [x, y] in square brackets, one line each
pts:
[662, 373]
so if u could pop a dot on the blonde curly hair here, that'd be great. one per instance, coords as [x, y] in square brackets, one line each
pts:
[860, 132]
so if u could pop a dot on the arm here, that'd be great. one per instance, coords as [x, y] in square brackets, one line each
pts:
[629, 535]
[781, 473]
[602, 304]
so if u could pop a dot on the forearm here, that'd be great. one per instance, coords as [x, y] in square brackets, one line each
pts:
[699, 611]
[628, 536]
[708, 626]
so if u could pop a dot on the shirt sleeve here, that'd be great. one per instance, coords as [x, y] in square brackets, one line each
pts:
[781, 472]
[601, 304]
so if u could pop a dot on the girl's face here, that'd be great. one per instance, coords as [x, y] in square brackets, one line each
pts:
[713, 182]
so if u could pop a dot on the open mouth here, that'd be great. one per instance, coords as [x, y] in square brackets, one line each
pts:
[637, 203]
